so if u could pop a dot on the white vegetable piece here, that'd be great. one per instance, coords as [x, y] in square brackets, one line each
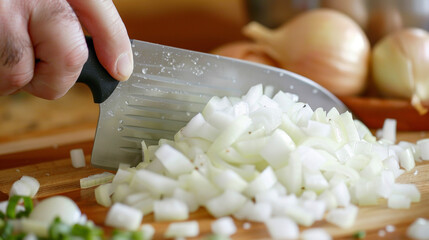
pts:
[224, 226]
[342, 194]
[41, 229]
[408, 190]
[96, 179]
[398, 201]
[103, 193]
[228, 179]
[262, 182]
[170, 209]
[282, 228]
[389, 130]
[200, 186]
[148, 231]
[315, 233]
[182, 230]
[123, 216]
[186, 197]
[419, 229]
[25, 186]
[277, 149]
[174, 161]
[225, 204]
[406, 159]
[300, 215]
[343, 217]
[423, 146]
[77, 158]
[58, 206]
[155, 183]
[198, 127]
[259, 212]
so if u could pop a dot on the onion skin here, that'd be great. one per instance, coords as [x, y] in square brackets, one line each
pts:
[324, 45]
[400, 66]
[248, 51]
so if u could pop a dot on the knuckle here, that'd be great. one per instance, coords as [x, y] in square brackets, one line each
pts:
[18, 80]
[76, 57]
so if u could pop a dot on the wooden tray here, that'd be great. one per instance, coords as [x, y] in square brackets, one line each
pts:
[373, 111]
[46, 157]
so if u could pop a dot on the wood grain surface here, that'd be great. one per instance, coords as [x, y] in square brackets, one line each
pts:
[50, 164]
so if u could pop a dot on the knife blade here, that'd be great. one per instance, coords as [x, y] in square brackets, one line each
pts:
[167, 88]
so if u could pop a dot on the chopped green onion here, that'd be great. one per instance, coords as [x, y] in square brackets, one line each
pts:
[359, 235]
[58, 230]
[13, 202]
[6, 230]
[87, 231]
[127, 235]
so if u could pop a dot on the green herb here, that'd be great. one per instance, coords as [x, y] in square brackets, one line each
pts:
[6, 230]
[127, 235]
[359, 235]
[13, 202]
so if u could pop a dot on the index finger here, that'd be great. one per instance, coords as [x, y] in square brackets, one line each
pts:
[109, 34]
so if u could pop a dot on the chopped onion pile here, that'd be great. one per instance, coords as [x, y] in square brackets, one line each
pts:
[269, 159]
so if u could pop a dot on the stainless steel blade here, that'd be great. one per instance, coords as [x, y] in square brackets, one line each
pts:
[169, 86]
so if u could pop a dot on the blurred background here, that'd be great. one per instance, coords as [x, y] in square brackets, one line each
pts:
[201, 25]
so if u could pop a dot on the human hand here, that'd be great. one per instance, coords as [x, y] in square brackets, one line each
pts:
[43, 48]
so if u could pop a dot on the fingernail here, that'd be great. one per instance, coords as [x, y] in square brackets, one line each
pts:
[124, 66]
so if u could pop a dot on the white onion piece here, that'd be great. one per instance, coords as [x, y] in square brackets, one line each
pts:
[419, 229]
[186, 197]
[423, 145]
[170, 209]
[264, 181]
[25, 186]
[225, 204]
[41, 229]
[315, 233]
[148, 231]
[406, 159]
[282, 228]
[182, 230]
[174, 161]
[277, 148]
[103, 193]
[58, 206]
[224, 226]
[77, 158]
[96, 179]
[124, 217]
[389, 130]
[398, 201]
[155, 183]
[343, 217]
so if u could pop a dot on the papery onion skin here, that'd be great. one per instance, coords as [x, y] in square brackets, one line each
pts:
[400, 66]
[324, 45]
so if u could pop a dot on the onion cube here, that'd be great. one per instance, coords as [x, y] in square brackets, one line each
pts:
[186, 197]
[170, 209]
[408, 190]
[398, 201]
[182, 230]
[102, 194]
[200, 186]
[300, 215]
[262, 182]
[282, 228]
[315, 182]
[173, 160]
[148, 231]
[423, 145]
[259, 212]
[389, 130]
[342, 194]
[419, 229]
[123, 216]
[277, 149]
[77, 158]
[315, 233]
[155, 183]
[25, 186]
[225, 204]
[343, 217]
[224, 226]
[229, 179]
[406, 159]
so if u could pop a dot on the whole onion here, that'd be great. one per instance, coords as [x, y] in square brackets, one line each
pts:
[400, 66]
[324, 45]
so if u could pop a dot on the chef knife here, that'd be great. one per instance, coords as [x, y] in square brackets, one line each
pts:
[167, 88]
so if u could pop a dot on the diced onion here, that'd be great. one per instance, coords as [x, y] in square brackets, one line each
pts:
[424, 149]
[97, 179]
[315, 233]
[124, 217]
[419, 229]
[182, 230]
[224, 226]
[77, 158]
[58, 206]
[282, 228]
[25, 186]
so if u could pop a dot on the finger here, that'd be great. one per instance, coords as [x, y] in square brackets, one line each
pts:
[60, 47]
[109, 34]
[16, 50]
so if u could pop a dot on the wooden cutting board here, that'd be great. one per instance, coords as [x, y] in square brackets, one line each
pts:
[45, 156]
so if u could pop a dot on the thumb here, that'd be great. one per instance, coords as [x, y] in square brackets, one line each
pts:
[109, 34]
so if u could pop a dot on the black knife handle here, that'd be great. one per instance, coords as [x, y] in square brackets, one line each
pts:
[96, 76]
